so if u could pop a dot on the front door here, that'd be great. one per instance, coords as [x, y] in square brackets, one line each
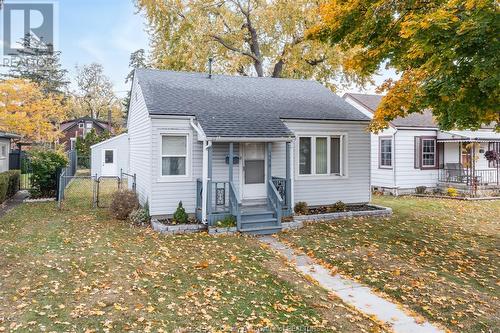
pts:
[254, 171]
[109, 165]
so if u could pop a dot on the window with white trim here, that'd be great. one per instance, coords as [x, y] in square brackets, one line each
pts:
[385, 153]
[321, 155]
[174, 155]
[429, 153]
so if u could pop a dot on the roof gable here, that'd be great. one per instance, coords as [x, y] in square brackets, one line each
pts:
[417, 120]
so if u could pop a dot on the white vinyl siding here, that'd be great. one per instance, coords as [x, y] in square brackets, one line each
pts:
[328, 189]
[139, 130]
[382, 177]
[407, 176]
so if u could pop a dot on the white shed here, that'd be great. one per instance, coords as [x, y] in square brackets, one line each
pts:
[110, 156]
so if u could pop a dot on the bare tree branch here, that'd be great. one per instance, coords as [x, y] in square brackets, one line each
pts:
[228, 46]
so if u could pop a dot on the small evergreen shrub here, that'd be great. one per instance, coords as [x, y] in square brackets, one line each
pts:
[452, 192]
[123, 203]
[139, 217]
[180, 215]
[420, 189]
[339, 206]
[45, 165]
[301, 208]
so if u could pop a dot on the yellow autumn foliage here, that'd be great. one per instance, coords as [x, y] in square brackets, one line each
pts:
[26, 111]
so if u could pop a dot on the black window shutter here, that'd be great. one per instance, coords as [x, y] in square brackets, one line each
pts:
[417, 152]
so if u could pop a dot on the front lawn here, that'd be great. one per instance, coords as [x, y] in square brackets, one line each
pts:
[440, 258]
[78, 270]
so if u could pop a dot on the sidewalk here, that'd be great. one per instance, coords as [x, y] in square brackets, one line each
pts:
[353, 293]
[13, 202]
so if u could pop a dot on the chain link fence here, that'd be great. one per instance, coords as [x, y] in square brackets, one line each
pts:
[78, 188]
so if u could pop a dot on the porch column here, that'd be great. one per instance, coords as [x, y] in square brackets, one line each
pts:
[231, 158]
[288, 183]
[269, 159]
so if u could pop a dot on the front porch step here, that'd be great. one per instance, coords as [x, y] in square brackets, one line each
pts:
[262, 215]
[262, 230]
[259, 223]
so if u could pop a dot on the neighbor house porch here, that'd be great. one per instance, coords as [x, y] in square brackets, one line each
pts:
[249, 180]
[463, 164]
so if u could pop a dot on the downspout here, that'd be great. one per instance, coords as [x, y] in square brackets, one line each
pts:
[394, 177]
[205, 180]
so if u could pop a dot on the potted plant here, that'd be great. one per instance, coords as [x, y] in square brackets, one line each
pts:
[493, 156]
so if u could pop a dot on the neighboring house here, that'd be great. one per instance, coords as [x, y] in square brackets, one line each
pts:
[109, 158]
[5, 148]
[79, 128]
[245, 146]
[413, 152]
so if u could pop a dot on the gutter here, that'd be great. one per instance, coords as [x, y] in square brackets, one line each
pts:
[251, 139]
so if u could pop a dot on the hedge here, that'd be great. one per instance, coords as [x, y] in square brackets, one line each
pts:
[9, 184]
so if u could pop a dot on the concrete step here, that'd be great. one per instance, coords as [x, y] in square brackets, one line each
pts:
[261, 230]
[257, 216]
[259, 223]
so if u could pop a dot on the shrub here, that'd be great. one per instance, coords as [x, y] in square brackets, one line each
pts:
[452, 192]
[420, 189]
[180, 215]
[4, 186]
[339, 206]
[123, 203]
[228, 222]
[301, 208]
[45, 165]
[140, 217]
[9, 184]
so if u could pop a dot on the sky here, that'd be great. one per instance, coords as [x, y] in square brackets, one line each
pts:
[107, 32]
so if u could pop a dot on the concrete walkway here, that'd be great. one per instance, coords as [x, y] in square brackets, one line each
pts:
[353, 293]
[13, 202]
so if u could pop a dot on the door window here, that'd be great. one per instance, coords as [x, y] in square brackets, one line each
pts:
[108, 157]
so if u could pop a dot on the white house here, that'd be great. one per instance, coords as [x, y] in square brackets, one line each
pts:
[5, 147]
[245, 146]
[413, 152]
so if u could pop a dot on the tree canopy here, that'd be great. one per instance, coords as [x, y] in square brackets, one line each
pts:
[26, 110]
[246, 37]
[446, 52]
[40, 64]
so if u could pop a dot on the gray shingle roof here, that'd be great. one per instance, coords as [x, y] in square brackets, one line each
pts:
[371, 102]
[236, 106]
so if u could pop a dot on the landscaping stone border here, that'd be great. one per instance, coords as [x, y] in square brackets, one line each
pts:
[295, 225]
[452, 198]
[380, 212]
[176, 229]
[222, 231]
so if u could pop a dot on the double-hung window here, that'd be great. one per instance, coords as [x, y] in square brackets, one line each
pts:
[385, 152]
[426, 153]
[174, 155]
[321, 155]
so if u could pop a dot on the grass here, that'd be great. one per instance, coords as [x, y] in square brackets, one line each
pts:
[437, 257]
[76, 269]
